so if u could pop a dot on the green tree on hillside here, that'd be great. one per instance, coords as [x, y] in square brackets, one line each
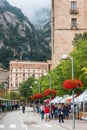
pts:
[25, 89]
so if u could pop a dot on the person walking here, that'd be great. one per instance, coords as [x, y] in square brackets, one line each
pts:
[23, 108]
[42, 111]
[42, 114]
[47, 112]
[66, 112]
[60, 114]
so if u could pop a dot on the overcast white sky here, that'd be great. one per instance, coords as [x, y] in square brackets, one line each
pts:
[29, 7]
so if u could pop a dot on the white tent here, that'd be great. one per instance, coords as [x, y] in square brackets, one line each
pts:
[82, 97]
[63, 100]
[58, 100]
[54, 99]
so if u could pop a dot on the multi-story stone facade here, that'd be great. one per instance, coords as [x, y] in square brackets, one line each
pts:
[68, 18]
[22, 70]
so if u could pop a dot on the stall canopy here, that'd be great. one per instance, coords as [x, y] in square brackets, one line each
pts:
[58, 100]
[46, 101]
[54, 99]
[82, 97]
[63, 100]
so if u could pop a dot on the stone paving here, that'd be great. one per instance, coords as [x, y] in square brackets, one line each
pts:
[68, 123]
[33, 117]
[79, 124]
[2, 114]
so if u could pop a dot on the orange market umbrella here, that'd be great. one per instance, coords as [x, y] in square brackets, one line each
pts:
[68, 100]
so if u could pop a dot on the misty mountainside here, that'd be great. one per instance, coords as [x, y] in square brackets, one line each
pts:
[19, 39]
[42, 16]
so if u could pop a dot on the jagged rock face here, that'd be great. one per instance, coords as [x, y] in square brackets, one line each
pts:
[3, 75]
[18, 37]
[10, 18]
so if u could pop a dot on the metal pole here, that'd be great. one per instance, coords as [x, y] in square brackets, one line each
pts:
[65, 57]
[50, 83]
[39, 92]
[39, 87]
[5, 87]
[73, 93]
[50, 95]
[5, 93]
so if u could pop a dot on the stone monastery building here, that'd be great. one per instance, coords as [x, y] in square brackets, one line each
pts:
[68, 18]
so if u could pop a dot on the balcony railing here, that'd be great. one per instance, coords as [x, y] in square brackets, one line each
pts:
[74, 27]
[74, 11]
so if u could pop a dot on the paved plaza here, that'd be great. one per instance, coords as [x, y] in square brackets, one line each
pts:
[30, 117]
[79, 124]
[68, 123]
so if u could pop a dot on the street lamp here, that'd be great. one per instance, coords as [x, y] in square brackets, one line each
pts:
[50, 83]
[38, 91]
[5, 87]
[66, 57]
[30, 89]
[38, 85]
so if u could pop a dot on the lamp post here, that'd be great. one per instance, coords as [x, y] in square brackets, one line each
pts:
[39, 92]
[65, 57]
[50, 95]
[50, 83]
[73, 93]
[5, 87]
[31, 89]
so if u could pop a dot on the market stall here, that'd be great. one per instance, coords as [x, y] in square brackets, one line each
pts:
[81, 102]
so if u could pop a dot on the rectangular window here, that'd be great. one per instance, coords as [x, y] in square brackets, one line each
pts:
[74, 22]
[73, 5]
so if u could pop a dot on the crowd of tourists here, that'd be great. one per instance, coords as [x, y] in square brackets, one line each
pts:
[57, 111]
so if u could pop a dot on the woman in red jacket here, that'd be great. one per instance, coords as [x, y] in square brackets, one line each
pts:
[46, 112]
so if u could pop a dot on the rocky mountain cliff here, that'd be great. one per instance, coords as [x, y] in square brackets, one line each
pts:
[19, 39]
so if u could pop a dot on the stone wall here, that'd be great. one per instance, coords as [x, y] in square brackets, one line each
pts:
[63, 34]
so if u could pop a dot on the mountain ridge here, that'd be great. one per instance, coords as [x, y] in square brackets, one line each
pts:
[19, 39]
